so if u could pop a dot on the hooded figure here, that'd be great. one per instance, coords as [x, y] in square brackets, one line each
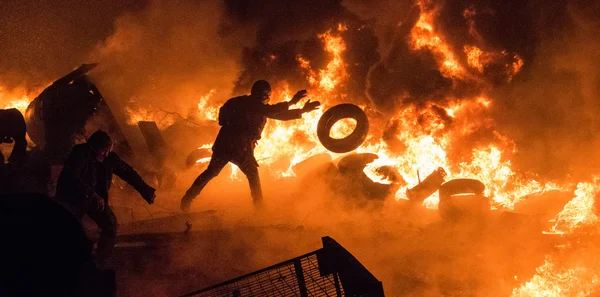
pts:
[242, 120]
[84, 182]
[13, 129]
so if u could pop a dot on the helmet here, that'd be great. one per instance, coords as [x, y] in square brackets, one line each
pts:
[260, 87]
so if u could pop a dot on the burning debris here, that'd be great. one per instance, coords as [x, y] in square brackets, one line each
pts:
[466, 94]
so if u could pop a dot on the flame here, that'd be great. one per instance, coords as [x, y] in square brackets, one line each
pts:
[555, 280]
[476, 58]
[135, 115]
[335, 71]
[18, 99]
[423, 35]
[479, 59]
[342, 128]
[565, 274]
[206, 111]
[580, 211]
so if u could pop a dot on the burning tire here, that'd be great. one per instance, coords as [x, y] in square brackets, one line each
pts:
[460, 198]
[461, 186]
[198, 156]
[350, 142]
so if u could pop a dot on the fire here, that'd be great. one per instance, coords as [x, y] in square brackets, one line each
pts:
[579, 213]
[574, 270]
[476, 58]
[135, 115]
[18, 99]
[335, 71]
[342, 128]
[206, 111]
[479, 59]
[423, 35]
[555, 280]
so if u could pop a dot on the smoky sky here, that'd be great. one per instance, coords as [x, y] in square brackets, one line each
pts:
[41, 40]
[158, 50]
[288, 30]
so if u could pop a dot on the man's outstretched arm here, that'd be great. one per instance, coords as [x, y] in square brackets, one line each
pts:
[293, 114]
[128, 174]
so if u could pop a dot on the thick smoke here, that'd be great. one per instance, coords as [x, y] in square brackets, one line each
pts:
[286, 30]
[551, 110]
[167, 54]
[42, 40]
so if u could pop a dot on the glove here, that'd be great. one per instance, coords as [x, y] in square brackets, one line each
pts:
[148, 194]
[299, 95]
[310, 106]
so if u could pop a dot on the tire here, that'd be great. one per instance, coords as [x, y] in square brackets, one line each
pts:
[455, 208]
[461, 186]
[196, 155]
[352, 141]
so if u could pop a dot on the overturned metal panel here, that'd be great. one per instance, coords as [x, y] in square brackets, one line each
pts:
[66, 111]
[329, 271]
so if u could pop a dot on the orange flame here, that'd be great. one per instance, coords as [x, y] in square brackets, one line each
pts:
[423, 35]
[570, 277]
[18, 99]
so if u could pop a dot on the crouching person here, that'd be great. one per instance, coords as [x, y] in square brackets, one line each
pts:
[83, 187]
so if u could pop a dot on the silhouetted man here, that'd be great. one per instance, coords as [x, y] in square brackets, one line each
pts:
[13, 129]
[84, 182]
[242, 121]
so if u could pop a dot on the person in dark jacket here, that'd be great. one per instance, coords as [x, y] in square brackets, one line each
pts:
[242, 121]
[85, 180]
[13, 129]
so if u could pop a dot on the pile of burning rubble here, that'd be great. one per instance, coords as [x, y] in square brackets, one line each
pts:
[441, 154]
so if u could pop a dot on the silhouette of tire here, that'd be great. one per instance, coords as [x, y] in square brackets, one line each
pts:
[461, 186]
[196, 155]
[451, 209]
[350, 142]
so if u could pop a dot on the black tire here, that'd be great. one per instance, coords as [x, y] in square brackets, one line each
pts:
[461, 186]
[450, 210]
[196, 155]
[336, 113]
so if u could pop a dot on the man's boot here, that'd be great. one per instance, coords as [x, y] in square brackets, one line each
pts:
[186, 201]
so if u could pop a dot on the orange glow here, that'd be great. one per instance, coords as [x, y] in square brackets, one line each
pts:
[18, 99]
[205, 111]
[139, 114]
[335, 72]
[342, 128]
[423, 35]
[565, 276]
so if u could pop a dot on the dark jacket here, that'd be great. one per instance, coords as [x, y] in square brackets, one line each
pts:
[243, 119]
[82, 176]
[13, 128]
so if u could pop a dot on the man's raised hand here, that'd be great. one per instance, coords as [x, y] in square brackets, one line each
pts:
[310, 106]
[299, 95]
